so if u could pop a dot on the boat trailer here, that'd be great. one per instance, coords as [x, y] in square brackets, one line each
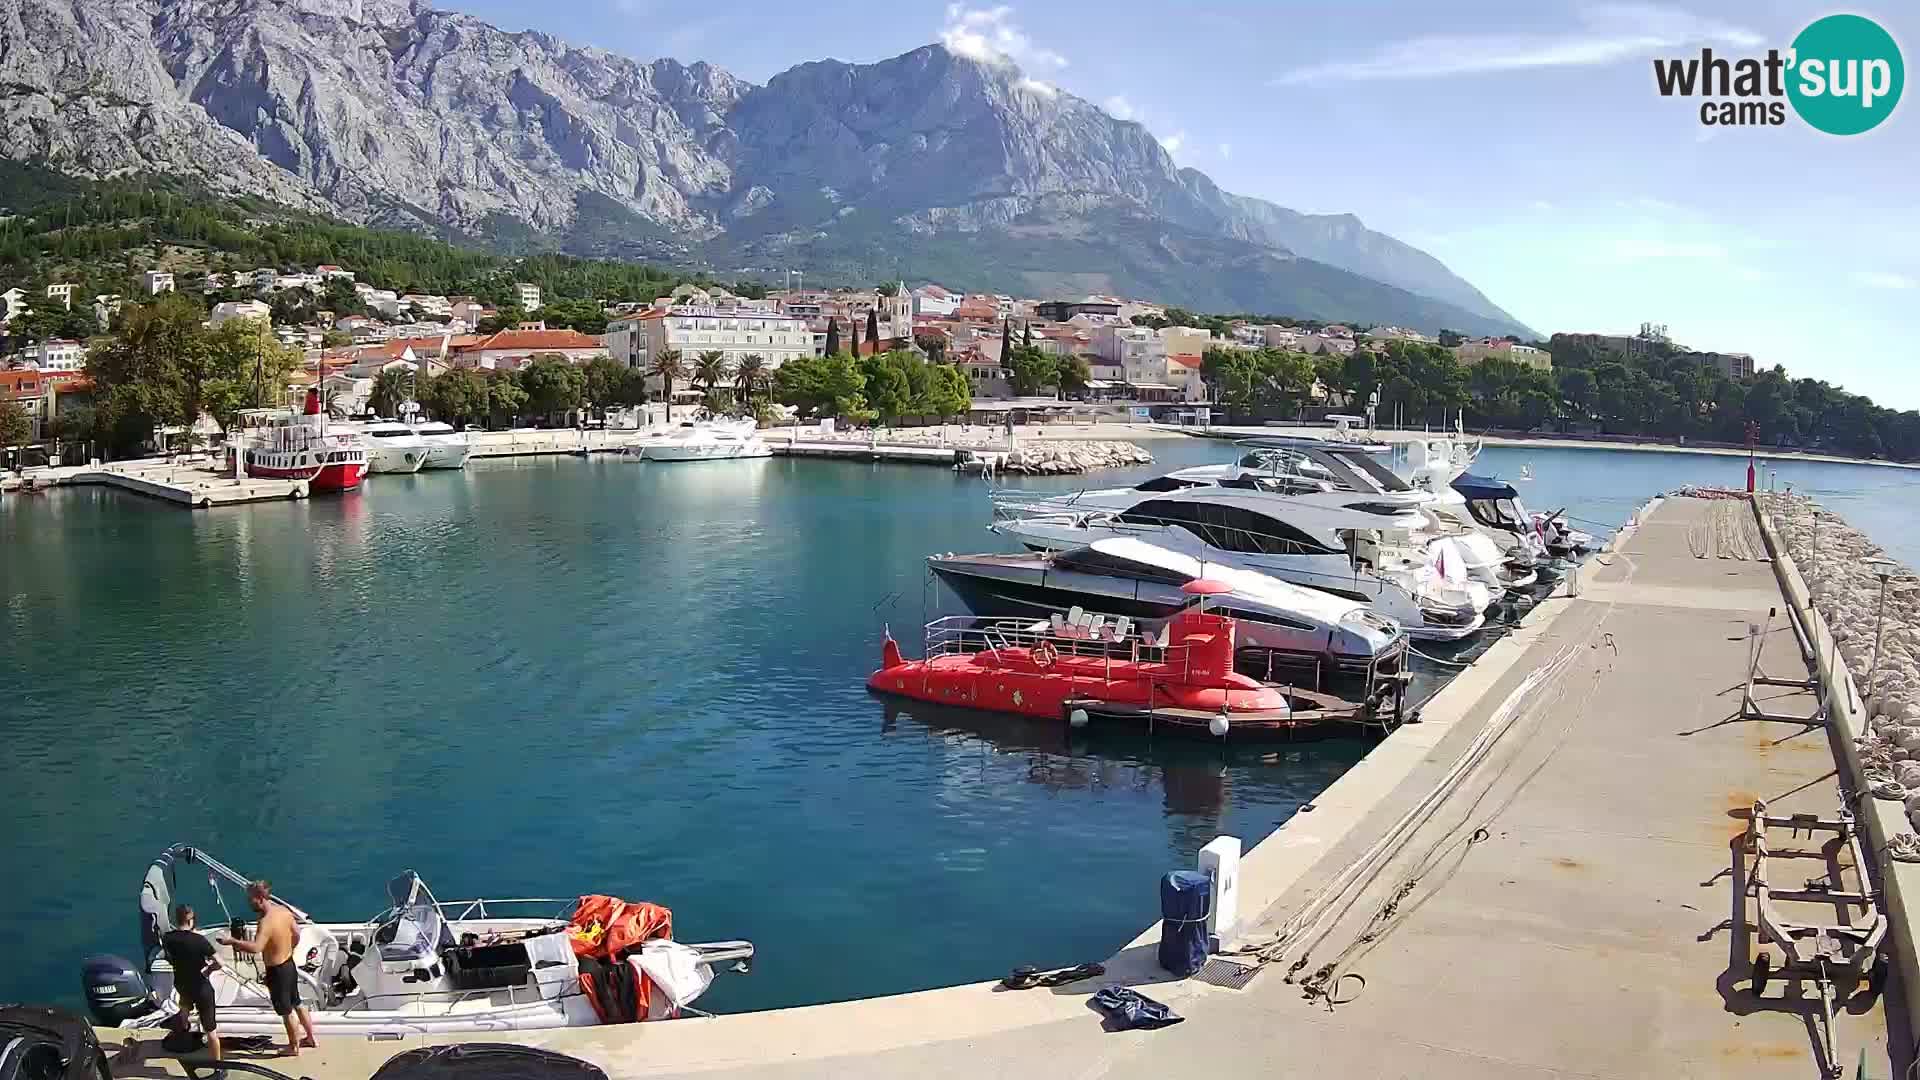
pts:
[1845, 952]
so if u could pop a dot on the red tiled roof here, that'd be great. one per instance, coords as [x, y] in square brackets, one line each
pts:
[1185, 360]
[535, 339]
[13, 382]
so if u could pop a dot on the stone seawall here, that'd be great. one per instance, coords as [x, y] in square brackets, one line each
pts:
[1073, 456]
[1843, 569]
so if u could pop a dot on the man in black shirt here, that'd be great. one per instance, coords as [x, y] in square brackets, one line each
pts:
[192, 957]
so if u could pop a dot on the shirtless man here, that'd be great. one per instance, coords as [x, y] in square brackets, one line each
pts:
[273, 942]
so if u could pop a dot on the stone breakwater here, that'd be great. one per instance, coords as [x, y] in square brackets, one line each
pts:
[1073, 456]
[1846, 590]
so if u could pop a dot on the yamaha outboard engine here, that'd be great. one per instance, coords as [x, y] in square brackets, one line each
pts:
[115, 990]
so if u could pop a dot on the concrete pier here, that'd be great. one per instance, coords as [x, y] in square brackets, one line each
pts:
[1569, 908]
[191, 484]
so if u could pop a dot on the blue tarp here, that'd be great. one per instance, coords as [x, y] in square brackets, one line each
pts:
[1185, 897]
[1483, 487]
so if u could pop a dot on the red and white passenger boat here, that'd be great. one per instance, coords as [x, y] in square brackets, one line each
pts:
[298, 446]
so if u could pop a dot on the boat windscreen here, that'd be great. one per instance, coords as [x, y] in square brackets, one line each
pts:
[414, 930]
[1362, 461]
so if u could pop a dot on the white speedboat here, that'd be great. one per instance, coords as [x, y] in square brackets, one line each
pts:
[421, 967]
[706, 440]
[393, 447]
[1331, 541]
[446, 448]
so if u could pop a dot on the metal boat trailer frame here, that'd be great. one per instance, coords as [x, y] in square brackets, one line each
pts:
[1824, 953]
[1756, 644]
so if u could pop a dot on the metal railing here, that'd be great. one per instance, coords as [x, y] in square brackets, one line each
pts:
[1095, 635]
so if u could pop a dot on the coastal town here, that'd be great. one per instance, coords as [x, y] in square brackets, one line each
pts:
[1133, 357]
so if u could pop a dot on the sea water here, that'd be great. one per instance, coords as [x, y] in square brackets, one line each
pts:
[548, 677]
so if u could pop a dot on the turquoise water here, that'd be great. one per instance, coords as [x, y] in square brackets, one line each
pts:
[550, 677]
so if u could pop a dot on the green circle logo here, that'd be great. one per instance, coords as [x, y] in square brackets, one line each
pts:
[1846, 74]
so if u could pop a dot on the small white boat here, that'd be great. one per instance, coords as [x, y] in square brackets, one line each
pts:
[393, 447]
[707, 440]
[446, 448]
[421, 967]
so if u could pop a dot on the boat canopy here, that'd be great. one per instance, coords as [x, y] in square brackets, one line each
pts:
[1481, 487]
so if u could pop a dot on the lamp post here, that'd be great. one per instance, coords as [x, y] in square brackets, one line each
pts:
[1882, 569]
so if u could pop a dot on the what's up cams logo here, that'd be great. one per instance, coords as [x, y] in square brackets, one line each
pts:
[1842, 75]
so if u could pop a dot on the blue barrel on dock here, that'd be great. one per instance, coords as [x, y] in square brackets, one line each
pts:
[1185, 898]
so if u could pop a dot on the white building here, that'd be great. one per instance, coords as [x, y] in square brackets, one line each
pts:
[935, 301]
[55, 355]
[62, 293]
[330, 272]
[159, 281]
[737, 332]
[240, 309]
[426, 304]
[528, 294]
[16, 299]
[310, 282]
[265, 278]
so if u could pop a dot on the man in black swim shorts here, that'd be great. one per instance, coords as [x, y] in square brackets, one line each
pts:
[191, 956]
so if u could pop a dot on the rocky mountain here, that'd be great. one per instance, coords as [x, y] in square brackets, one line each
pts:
[391, 112]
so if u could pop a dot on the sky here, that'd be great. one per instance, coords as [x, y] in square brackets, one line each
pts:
[1523, 144]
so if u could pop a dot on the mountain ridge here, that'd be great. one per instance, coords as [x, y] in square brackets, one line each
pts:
[392, 112]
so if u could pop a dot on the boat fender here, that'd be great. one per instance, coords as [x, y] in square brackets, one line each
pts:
[1077, 718]
[1218, 725]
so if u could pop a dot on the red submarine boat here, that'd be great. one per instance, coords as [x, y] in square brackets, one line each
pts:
[1083, 669]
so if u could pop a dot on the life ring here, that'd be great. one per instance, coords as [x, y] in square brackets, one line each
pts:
[1044, 654]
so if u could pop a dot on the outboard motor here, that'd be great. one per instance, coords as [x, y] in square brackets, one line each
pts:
[115, 990]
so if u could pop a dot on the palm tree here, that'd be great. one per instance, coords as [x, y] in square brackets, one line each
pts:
[390, 391]
[669, 367]
[749, 376]
[711, 370]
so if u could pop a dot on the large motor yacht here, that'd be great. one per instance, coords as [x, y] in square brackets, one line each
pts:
[393, 447]
[1335, 541]
[705, 440]
[446, 448]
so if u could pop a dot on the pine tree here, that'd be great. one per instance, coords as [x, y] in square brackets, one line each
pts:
[833, 336]
[873, 326]
[856, 336]
[1006, 341]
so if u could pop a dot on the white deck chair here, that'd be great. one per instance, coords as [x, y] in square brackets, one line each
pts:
[1075, 617]
[1122, 626]
[1096, 629]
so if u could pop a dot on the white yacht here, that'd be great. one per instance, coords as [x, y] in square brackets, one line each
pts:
[421, 967]
[706, 440]
[1331, 541]
[446, 448]
[1315, 470]
[393, 447]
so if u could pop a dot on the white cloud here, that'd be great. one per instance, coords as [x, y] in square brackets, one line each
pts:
[1226, 151]
[1606, 34]
[1880, 279]
[1172, 143]
[1035, 86]
[1118, 107]
[990, 35]
[1541, 205]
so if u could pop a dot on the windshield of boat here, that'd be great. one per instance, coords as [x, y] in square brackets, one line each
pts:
[1499, 513]
[390, 433]
[1381, 476]
[413, 929]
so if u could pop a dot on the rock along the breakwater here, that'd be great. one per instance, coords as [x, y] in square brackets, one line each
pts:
[1055, 456]
[1847, 589]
